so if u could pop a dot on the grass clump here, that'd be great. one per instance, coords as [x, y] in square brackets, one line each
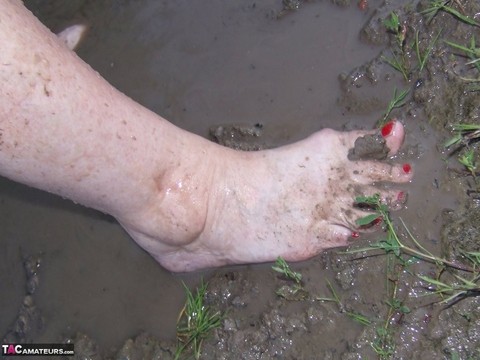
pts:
[465, 134]
[467, 159]
[466, 277]
[472, 51]
[395, 27]
[398, 60]
[292, 292]
[283, 268]
[444, 5]
[392, 242]
[195, 322]
[454, 292]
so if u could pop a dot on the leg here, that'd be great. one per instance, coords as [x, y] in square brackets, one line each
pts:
[189, 202]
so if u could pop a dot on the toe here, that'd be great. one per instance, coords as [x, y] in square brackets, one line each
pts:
[394, 199]
[373, 171]
[350, 218]
[394, 133]
[337, 235]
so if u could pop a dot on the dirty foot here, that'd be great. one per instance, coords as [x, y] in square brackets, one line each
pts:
[294, 202]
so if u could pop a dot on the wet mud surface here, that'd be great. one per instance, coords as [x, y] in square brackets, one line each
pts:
[270, 73]
[369, 147]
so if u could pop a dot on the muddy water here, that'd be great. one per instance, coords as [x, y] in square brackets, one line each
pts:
[200, 64]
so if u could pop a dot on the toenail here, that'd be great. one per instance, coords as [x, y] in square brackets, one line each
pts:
[388, 128]
[407, 168]
[355, 234]
[402, 197]
[377, 221]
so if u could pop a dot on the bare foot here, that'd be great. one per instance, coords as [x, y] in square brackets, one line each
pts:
[189, 202]
[294, 202]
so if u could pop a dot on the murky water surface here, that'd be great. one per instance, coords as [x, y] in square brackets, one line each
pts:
[197, 63]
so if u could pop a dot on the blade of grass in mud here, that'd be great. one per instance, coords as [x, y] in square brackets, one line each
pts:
[282, 267]
[466, 127]
[441, 5]
[397, 101]
[357, 317]
[422, 59]
[397, 65]
[472, 52]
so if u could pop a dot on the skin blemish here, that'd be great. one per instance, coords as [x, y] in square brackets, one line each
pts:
[46, 91]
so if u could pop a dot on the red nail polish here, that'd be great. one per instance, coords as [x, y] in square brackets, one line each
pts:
[387, 128]
[401, 196]
[355, 234]
[377, 221]
[406, 168]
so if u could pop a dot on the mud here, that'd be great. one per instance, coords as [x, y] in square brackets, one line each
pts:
[238, 136]
[369, 147]
[241, 63]
[29, 321]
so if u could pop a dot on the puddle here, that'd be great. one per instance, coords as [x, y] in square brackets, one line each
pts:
[200, 65]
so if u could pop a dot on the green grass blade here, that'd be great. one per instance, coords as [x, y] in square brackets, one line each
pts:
[466, 127]
[367, 219]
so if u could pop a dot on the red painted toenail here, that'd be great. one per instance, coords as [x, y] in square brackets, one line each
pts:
[388, 128]
[401, 196]
[377, 221]
[355, 234]
[406, 168]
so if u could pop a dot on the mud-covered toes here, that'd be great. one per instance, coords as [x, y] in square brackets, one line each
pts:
[383, 142]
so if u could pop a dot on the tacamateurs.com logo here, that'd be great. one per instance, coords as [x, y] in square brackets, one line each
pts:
[37, 349]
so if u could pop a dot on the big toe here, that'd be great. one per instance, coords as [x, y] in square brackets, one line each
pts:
[394, 133]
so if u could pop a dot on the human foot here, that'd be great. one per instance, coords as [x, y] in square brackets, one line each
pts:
[190, 203]
[294, 202]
